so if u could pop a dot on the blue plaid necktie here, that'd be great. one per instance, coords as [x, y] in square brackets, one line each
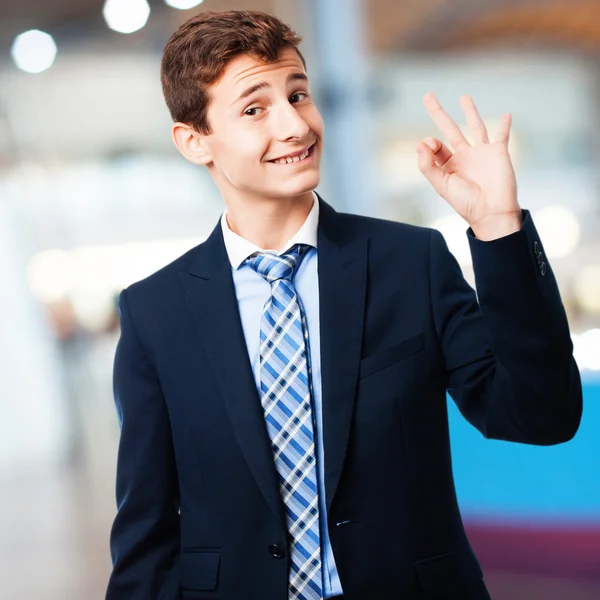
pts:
[286, 400]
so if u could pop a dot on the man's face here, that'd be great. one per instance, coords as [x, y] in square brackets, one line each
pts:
[259, 113]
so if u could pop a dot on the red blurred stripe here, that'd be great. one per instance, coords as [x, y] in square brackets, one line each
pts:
[571, 551]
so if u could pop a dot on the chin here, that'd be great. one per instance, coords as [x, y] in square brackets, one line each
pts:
[300, 185]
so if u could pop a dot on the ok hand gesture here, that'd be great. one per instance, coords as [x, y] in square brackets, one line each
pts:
[477, 180]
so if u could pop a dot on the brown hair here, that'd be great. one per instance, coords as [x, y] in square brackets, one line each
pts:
[196, 55]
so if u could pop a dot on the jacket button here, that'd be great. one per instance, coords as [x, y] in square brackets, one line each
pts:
[276, 551]
[540, 258]
[535, 248]
[543, 268]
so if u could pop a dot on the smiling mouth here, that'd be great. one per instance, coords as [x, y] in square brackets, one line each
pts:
[297, 158]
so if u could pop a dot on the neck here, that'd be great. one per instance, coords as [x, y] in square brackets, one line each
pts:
[269, 223]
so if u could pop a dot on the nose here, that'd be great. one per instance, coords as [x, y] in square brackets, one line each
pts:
[289, 124]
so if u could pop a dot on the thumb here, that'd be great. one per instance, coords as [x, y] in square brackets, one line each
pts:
[427, 165]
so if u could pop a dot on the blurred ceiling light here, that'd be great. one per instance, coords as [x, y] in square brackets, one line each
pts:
[454, 230]
[587, 288]
[34, 51]
[559, 229]
[126, 16]
[586, 350]
[183, 4]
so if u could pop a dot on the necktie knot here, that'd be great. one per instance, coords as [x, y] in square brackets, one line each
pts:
[274, 266]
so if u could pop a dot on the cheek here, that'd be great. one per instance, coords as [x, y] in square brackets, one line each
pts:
[249, 143]
[239, 150]
[315, 122]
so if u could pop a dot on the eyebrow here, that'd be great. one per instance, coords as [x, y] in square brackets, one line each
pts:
[263, 84]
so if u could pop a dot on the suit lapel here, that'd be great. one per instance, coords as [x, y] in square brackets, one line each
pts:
[211, 298]
[212, 301]
[342, 292]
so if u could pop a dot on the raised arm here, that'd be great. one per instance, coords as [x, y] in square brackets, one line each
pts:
[509, 358]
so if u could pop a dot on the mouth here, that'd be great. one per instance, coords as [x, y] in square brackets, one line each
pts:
[297, 157]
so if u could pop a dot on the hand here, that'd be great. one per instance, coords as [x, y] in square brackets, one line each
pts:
[477, 180]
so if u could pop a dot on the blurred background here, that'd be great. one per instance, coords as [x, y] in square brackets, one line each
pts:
[94, 196]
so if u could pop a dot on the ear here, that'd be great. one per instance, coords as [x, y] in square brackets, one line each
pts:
[191, 144]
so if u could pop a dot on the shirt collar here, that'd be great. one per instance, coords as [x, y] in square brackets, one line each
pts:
[239, 249]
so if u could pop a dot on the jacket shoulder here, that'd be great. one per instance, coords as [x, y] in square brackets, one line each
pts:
[383, 229]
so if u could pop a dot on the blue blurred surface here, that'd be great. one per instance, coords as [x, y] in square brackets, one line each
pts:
[517, 482]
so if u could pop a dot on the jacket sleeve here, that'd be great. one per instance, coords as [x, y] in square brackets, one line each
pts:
[145, 534]
[508, 350]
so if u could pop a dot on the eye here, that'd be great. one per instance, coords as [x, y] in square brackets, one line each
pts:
[252, 112]
[297, 97]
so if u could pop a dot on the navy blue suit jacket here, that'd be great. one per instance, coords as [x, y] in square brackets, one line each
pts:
[199, 512]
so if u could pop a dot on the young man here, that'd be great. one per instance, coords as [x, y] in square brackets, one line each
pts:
[282, 387]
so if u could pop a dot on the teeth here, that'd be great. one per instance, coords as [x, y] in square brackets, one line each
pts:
[285, 161]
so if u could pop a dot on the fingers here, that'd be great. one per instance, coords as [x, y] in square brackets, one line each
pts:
[503, 134]
[444, 123]
[476, 125]
[427, 165]
[442, 153]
